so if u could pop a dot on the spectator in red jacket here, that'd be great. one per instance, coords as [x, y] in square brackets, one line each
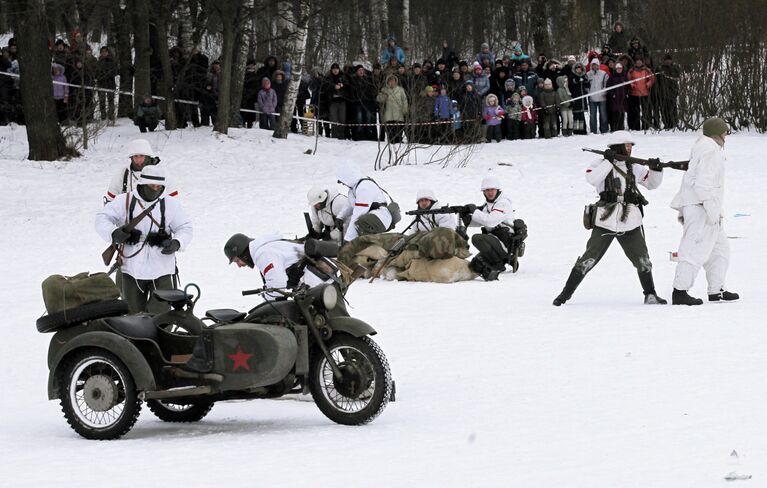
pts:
[639, 116]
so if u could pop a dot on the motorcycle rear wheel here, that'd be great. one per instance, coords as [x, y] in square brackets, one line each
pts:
[98, 395]
[176, 412]
[363, 392]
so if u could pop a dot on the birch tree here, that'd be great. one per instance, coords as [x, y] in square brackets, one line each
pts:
[297, 53]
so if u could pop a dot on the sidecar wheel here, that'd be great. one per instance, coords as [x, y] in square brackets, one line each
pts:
[180, 412]
[363, 392]
[98, 395]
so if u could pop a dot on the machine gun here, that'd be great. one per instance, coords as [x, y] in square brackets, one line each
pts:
[680, 165]
[448, 209]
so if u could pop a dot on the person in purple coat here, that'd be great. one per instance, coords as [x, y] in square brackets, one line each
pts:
[267, 104]
[60, 92]
[617, 98]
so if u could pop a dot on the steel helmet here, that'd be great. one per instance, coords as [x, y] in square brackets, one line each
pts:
[490, 182]
[236, 246]
[140, 146]
[425, 193]
[316, 195]
[621, 137]
[151, 175]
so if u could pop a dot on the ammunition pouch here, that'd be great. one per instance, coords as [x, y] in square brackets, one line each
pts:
[608, 196]
[634, 198]
[156, 239]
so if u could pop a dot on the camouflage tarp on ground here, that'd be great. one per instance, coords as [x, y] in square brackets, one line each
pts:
[437, 256]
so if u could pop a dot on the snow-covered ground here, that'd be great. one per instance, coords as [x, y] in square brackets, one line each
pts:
[496, 387]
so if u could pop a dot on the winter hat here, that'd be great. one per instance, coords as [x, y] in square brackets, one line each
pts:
[522, 88]
[468, 82]
[454, 103]
[715, 127]
[547, 83]
[510, 83]
[416, 65]
[516, 96]
[578, 65]
[491, 98]
[571, 58]
[618, 65]
[139, 147]
[335, 65]
[440, 61]
[426, 193]
[527, 101]
[595, 61]
[621, 137]
[485, 45]
[152, 175]
[266, 82]
[429, 89]
[476, 66]
[463, 63]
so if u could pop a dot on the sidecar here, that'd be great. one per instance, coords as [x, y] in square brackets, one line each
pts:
[102, 369]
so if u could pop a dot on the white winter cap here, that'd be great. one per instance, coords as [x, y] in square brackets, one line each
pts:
[316, 195]
[527, 101]
[152, 175]
[425, 193]
[595, 61]
[621, 137]
[140, 146]
[489, 182]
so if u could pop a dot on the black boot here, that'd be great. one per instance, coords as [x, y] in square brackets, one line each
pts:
[681, 297]
[573, 281]
[723, 295]
[654, 299]
[648, 286]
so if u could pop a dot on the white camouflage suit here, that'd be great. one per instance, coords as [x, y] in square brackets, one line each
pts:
[493, 214]
[362, 194]
[700, 202]
[272, 257]
[337, 207]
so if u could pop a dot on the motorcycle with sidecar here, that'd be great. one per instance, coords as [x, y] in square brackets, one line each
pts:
[102, 369]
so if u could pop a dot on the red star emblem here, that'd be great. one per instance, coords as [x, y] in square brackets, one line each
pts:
[240, 359]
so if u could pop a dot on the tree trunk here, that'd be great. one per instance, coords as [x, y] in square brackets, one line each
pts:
[228, 11]
[184, 26]
[142, 85]
[122, 47]
[383, 20]
[297, 54]
[406, 24]
[238, 63]
[168, 88]
[46, 143]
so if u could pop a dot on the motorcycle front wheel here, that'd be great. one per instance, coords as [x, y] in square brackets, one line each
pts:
[365, 385]
[98, 395]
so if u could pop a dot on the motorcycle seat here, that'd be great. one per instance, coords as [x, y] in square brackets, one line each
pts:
[225, 315]
[172, 296]
[140, 326]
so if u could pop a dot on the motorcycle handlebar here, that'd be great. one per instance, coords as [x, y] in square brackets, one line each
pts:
[252, 292]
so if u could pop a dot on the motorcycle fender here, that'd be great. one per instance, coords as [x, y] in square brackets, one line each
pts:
[351, 326]
[117, 345]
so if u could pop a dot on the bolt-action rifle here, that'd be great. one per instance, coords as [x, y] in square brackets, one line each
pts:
[680, 165]
[109, 252]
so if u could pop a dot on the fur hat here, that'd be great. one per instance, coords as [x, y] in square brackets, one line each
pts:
[527, 101]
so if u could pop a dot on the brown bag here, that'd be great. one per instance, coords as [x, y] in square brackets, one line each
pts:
[590, 216]
[67, 292]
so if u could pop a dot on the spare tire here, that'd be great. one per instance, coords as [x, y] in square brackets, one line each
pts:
[89, 311]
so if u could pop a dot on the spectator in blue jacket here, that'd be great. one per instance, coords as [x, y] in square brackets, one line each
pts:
[527, 78]
[485, 56]
[392, 50]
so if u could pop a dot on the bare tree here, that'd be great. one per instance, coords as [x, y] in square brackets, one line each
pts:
[142, 84]
[161, 23]
[297, 22]
[228, 12]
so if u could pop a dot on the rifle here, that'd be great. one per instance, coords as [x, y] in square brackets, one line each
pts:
[109, 252]
[448, 209]
[680, 165]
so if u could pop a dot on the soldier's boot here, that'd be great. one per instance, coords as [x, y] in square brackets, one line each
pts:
[648, 286]
[681, 297]
[572, 283]
[487, 271]
[723, 295]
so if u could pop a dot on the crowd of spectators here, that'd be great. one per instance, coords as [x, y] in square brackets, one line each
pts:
[489, 97]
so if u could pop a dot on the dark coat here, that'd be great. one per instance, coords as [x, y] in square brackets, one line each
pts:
[618, 98]
[579, 85]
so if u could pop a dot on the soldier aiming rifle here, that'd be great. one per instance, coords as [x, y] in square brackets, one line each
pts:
[654, 164]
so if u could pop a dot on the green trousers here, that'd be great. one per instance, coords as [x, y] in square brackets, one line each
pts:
[138, 293]
[369, 224]
[634, 247]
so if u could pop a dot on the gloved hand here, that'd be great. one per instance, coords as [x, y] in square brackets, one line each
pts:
[169, 246]
[713, 214]
[468, 208]
[609, 155]
[466, 219]
[654, 164]
[122, 236]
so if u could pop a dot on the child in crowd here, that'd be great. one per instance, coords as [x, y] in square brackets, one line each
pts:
[493, 115]
[565, 108]
[513, 109]
[529, 118]
[267, 105]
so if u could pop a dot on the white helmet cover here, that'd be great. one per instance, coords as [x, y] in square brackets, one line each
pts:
[316, 195]
[425, 193]
[621, 137]
[152, 175]
[140, 146]
[489, 182]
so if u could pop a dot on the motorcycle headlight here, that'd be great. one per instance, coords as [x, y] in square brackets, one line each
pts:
[329, 297]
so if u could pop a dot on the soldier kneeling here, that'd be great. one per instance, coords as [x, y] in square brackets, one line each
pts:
[502, 239]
